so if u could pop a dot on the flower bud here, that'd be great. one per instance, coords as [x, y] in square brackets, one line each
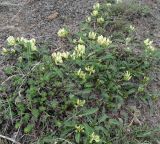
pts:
[11, 41]
[100, 20]
[63, 33]
[94, 13]
[92, 35]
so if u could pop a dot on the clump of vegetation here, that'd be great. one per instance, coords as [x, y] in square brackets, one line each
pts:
[69, 96]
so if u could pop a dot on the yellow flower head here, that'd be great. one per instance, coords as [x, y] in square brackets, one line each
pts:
[65, 54]
[96, 6]
[79, 50]
[100, 20]
[4, 51]
[127, 76]
[94, 138]
[92, 35]
[103, 41]
[81, 74]
[149, 45]
[148, 42]
[11, 41]
[132, 28]
[79, 128]
[80, 103]
[33, 44]
[108, 4]
[63, 33]
[90, 69]
[88, 19]
[57, 58]
[95, 13]
[119, 1]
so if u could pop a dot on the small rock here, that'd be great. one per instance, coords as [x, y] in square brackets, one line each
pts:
[53, 15]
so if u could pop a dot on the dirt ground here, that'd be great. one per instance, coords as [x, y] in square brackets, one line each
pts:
[42, 19]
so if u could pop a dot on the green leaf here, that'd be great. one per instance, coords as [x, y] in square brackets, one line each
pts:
[89, 112]
[77, 137]
[88, 129]
[28, 128]
[35, 113]
[103, 118]
[114, 122]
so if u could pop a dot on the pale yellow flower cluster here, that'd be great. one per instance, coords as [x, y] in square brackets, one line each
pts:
[63, 33]
[149, 45]
[94, 138]
[90, 69]
[28, 43]
[4, 51]
[81, 74]
[58, 57]
[127, 76]
[79, 51]
[80, 103]
[79, 129]
[131, 27]
[92, 35]
[11, 41]
[95, 11]
[103, 41]
[100, 20]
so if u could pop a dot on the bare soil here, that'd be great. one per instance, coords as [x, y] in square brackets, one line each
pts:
[41, 19]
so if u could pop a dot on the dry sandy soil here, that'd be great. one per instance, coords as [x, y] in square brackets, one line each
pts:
[41, 18]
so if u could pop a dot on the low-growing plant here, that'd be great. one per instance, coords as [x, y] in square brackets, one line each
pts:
[70, 95]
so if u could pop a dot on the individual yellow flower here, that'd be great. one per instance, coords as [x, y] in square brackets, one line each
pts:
[88, 19]
[80, 103]
[94, 138]
[63, 33]
[96, 6]
[11, 41]
[128, 40]
[4, 51]
[119, 1]
[95, 13]
[81, 74]
[108, 4]
[33, 44]
[90, 69]
[20, 59]
[100, 20]
[79, 50]
[127, 76]
[57, 58]
[103, 41]
[148, 44]
[65, 55]
[132, 28]
[79, 128]
[92, 35]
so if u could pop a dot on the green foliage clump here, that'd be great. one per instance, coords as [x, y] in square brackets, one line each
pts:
[69, 94]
